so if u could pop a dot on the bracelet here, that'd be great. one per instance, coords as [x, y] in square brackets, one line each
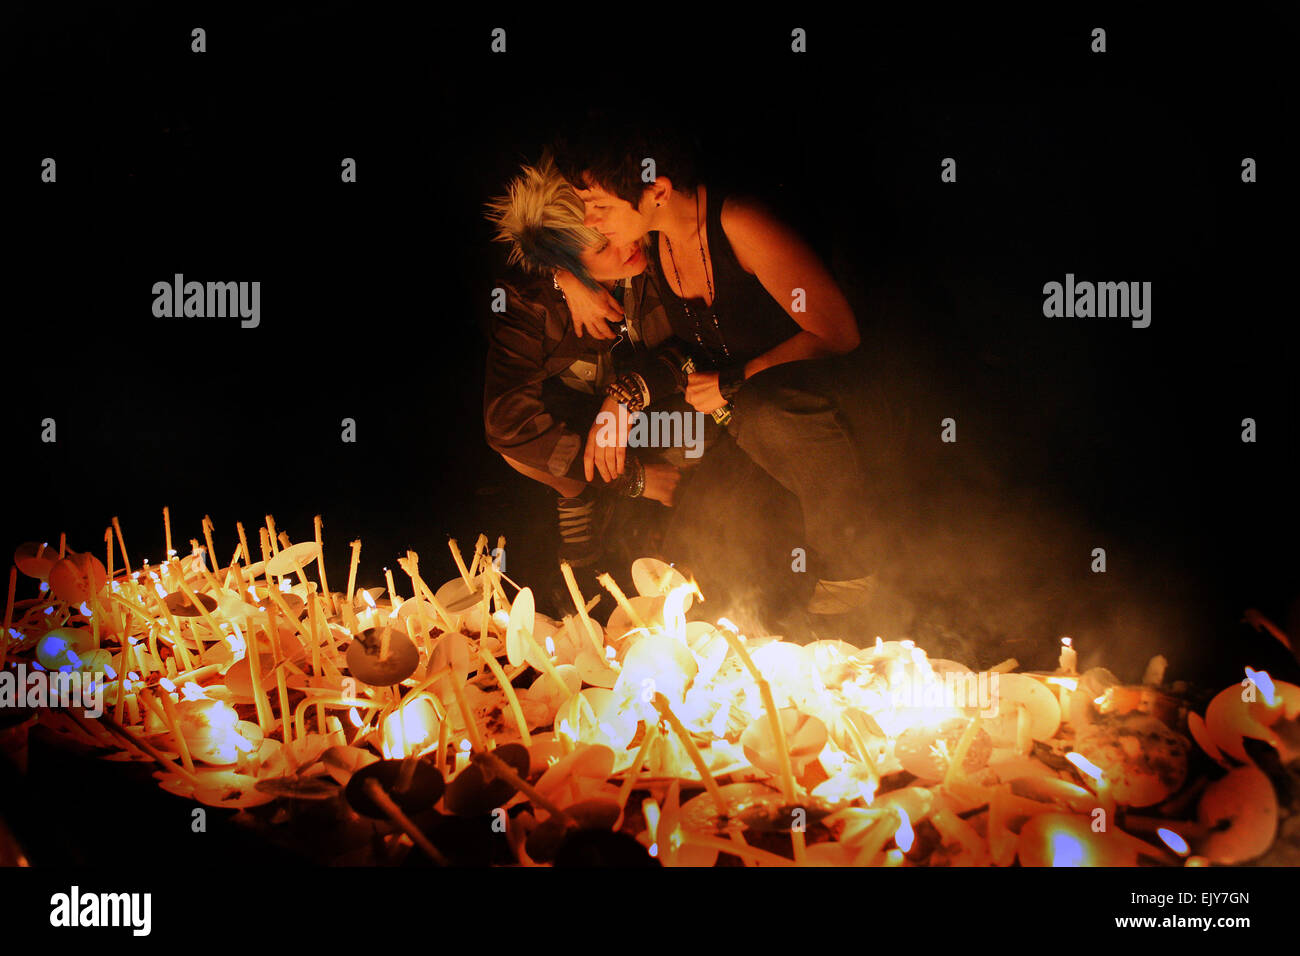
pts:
[635, 476]
[631, 390]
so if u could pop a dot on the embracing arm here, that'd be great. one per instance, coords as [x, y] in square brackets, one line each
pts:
[782, 262]
[515, 418]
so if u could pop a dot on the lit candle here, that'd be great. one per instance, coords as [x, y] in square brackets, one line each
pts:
[462, 755]
[1069, 660]
[167, 529]
[1266, 707]
[1097, 781]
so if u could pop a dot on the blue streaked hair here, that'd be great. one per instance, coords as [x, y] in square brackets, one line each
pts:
[541, 216]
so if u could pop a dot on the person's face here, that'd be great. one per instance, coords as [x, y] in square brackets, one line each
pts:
[614, 217]
[611, 261]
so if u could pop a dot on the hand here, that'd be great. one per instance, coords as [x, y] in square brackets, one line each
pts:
[606, 449]
[661, 483]
[702, 392]
[592, 309]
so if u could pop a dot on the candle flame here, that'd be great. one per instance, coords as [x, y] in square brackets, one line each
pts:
[1265, 684]
[1066, 850]
[354, 717]
[1085, 766]
[1067, 642]
[285, 586]
[650, 810]
[904, 835]
[1173, 841]
[368, 599]
[550, 645]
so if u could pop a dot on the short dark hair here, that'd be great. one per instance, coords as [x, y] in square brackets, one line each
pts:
[608, 150]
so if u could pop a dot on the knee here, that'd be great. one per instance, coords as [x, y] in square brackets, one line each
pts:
[776, 408]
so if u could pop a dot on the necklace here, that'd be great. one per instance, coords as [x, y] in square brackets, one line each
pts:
[690, 313]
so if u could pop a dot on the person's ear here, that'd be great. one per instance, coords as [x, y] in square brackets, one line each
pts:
[657, 194]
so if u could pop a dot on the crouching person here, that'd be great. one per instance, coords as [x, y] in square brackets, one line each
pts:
[547, 381]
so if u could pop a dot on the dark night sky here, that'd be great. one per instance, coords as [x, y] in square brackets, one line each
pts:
[224, 166]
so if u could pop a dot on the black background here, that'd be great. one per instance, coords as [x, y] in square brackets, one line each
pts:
[225, 166]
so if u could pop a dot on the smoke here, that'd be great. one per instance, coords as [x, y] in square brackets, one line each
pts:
[973, 561]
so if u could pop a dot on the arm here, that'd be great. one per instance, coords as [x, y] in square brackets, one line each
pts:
[516, 421]
[783, 262]
[592, 309]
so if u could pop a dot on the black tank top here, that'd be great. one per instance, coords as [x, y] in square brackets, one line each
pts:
[749, 321]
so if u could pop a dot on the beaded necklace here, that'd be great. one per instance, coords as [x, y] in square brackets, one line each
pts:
[690, 313]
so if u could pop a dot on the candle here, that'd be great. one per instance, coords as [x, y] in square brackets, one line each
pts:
[480, 548]
[167, 530]
[270, 532]
[1069, 660]
[460, 564]
[182, 745]
[411, 565]
[352, 571]
[609, 584]
[515, 709]
[773, 716]
[281, 686]
[108, 547]
[207, 538]
[1096, 780]
[254, 658]
[126, 562]
[9, 615]
[462, 756]
[320, 565]
[711, 785]
[1154, 675]
[392, 590]
[466, 714]
[1024, 743]
[243, 544]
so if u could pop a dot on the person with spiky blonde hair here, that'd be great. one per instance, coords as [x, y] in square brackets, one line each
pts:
[545, 382]
[541, 218]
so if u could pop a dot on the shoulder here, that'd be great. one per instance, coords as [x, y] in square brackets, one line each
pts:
[528, 299]
[746, 213]
[752, 228]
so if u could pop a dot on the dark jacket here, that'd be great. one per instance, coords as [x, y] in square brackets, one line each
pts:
[533, 343]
